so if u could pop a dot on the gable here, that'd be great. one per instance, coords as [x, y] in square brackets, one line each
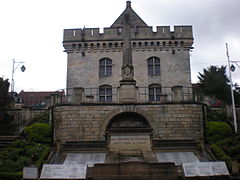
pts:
[135, 20]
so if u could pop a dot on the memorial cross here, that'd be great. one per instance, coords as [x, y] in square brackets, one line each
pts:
[127, 65]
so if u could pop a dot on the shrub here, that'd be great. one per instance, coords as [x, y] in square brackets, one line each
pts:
[231, 146]
[22, 153]
[32, 151]
[220, 155]
[218, 130]
[10, 176]
[42, 157]
[39, 132]
[217, 114]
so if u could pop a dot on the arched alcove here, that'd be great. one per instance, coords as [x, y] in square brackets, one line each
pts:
[128, 122]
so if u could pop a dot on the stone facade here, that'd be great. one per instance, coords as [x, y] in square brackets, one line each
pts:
[85, 47]
[129, 43]
[89, 122]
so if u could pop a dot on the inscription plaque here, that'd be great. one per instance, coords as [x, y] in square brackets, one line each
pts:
[85, 158]
[177, 157]
[130, 142]
[59, 171]
[30, 173]
[205, 169]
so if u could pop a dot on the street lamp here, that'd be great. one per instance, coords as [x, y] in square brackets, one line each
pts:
[231, 69]
[23, 68]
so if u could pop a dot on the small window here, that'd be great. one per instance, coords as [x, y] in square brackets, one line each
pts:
[119, 30]
[153, 66]
[105, 67]
[105, 93]
[154, 91]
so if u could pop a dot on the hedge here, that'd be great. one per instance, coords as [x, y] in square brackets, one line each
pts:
[221, 155]
[217, 131]
[32, 150]
[11, 175]
[43, 156]
[39, 132]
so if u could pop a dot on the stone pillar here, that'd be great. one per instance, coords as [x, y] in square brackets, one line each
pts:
[177, 93]
[53, 100]
[28, 116]
[31, 173]
[58, 145]
[78, 94]
[128, 89]
[235, 169]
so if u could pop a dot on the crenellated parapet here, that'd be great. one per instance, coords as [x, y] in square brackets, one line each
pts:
[143, 39]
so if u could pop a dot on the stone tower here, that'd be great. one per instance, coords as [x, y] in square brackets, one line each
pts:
[128, 80]
[157, 58]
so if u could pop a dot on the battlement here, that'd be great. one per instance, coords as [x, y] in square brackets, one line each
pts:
[115, 34]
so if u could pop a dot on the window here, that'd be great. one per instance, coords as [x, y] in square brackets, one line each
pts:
[105, 93]
[153, 66]
[105, 67]
[154, 91]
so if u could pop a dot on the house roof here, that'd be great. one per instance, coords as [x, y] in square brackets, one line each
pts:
[135, 20]
[30, 98]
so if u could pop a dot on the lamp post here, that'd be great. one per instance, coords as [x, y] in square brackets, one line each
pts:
[23, 68]
[232, 68]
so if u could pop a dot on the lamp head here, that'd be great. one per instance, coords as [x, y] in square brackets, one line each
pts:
[23, 68]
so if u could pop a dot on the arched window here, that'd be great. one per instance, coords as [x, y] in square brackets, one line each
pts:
[105, 67]
[153, 66]
[154, 91]
[105, 93]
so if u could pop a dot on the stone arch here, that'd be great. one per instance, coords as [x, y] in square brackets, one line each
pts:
[130, 109]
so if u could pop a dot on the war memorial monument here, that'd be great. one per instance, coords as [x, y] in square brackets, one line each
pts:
[129, 111]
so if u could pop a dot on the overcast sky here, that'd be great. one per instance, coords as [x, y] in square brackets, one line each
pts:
[32, 31]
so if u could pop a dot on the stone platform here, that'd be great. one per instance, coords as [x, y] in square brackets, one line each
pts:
[133, 171]
[137, 165]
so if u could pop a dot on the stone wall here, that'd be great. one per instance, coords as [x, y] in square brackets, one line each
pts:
[163, 32]
[84, 71]
[88, 122]
[23, 116]
[85, 47]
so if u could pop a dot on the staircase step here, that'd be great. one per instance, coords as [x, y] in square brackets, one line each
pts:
[6, 141]
[175, 144]
[149, 156]
[84, 145]
[8, 129]
[133, 171]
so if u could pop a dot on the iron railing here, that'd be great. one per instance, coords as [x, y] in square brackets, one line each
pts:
[79, 95]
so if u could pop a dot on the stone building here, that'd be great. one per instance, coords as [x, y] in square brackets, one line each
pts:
[128, 101]
[160, 58]
[128, 79]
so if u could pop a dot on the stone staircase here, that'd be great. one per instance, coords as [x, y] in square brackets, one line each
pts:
[8, 129]
[174, 144]
[132, 171]
[84, 145]
[5, 141]
[132, 165]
